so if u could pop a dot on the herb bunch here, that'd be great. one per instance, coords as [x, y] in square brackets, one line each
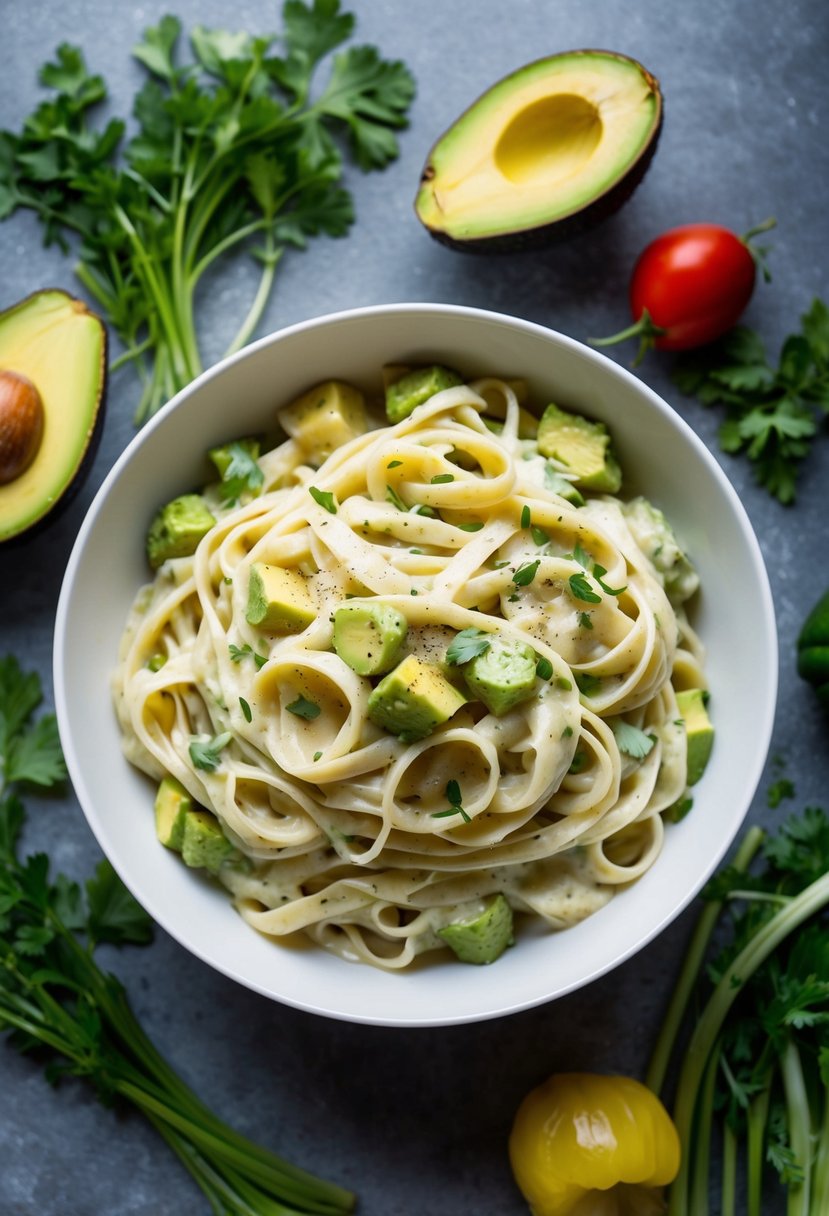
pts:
[232, 151]
[758, 1052]
[57, 1002]
[773, 413]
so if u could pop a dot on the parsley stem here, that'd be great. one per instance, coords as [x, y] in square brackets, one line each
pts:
[694, 955]
[758, 1111]
[260, 300]
[798, 1122]
[820, 1178]
[767, 938]
[728, 1192]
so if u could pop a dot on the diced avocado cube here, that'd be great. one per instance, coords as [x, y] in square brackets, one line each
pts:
[172, 802]
[413, 699]
[655, 537]
[204, 844]
[324, 418]
[177, 529]
[368, 636]
[222, 456]
[416, 387]
[583, 446]
[485, 937]
[503, 675]
[698, 728]
[278, 599]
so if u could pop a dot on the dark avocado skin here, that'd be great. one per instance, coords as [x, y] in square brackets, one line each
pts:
[569, 226]
[71, 490]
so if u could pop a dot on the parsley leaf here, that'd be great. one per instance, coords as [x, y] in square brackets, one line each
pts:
[29, 752]
[238, 467]
[232, 151]
[525, 574]
[467, 645]
[115, 916]
[580, 589]
[772, 414]
[631, 740]
[324, 498]
[303, 708]
[206, 754]
[237, 653]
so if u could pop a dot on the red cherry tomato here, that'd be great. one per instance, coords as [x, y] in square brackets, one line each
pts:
[690, 286]
[694, 282]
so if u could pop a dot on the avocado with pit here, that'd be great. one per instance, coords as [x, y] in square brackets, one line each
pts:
[172, 803]
[503, 675]
[324, 418]
[546, 152]
[368, 637]
[483, 938]
[203, 843]
[177, 529]
[583, 446]
[53, 375]
[692, 703]
[413, 699]
[278, 599]
[415, 388]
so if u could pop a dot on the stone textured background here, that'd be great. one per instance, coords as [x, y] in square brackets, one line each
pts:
[417, 1121]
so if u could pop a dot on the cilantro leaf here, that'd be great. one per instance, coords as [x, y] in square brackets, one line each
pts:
[206, 754]
[303, 708]
[580, 589]
[324, 498]
[770, 412]
[631, 740]
[467, 645]
[238, 467]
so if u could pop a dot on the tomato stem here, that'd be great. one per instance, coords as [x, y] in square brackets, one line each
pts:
[759, 254]
[644, 329]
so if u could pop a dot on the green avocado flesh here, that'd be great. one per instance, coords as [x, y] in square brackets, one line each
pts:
[55, 342]
[553, 147]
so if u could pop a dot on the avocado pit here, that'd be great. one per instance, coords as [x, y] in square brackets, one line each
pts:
[21, 424]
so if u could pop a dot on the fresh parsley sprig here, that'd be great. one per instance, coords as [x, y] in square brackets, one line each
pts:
[758, 1013]
[55, 999]
[773, 413]
[233, 151]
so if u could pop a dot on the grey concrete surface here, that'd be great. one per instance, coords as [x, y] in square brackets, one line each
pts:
[417, 1122]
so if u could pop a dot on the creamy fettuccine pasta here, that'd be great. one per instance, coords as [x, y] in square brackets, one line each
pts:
[366, 830]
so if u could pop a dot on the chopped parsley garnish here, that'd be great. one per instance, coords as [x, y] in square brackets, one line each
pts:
[631, 740]
[237, 653]
[394, 498]
[579, 762]
[567, 733]
[206, 755]
[317, 756]
[563, 682]
[303, 708]
[156, 661]
[585, 620]
[778, 790]
[499, 565]
[580, 589]
[581, 556]
[598, 573]
[526, 516]
[539, 536]
[246, 710]
[467, 645]
[543, 668]
[241, 471]
[473, 527]
[394, 464]
[441, 479]
[453, 794]
[324, 498]
[525, 574]
[587, 683]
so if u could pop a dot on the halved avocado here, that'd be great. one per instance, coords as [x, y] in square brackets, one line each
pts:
[547, 151]
[52, 351]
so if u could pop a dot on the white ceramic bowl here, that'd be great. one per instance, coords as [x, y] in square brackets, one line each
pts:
[661, 457]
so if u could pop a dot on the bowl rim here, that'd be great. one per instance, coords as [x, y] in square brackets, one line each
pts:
[762, 726]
